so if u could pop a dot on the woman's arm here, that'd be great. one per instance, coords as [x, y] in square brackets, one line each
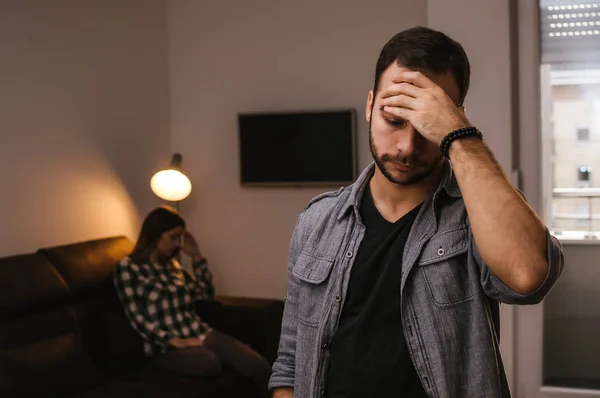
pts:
[201, 286]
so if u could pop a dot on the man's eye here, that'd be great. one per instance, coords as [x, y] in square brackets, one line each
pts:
[396, 123]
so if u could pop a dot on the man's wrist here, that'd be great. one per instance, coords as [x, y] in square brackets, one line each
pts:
[465, 145]
[456, 135]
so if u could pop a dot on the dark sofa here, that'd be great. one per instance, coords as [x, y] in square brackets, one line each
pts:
[63, 333]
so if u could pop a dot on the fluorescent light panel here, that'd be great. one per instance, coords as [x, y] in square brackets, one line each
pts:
[573, 16]
[575, 33]
[574, 24]
[574, 7]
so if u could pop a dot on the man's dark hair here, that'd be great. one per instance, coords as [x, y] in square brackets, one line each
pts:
[428, 51]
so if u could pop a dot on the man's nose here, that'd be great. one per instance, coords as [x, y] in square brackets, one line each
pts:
[406, 140]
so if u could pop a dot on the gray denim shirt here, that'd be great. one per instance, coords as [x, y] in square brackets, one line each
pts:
[447, 295]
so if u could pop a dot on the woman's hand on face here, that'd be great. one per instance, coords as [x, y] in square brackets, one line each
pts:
[190, 247]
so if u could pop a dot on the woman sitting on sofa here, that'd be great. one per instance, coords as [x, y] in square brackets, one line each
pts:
[159, 296]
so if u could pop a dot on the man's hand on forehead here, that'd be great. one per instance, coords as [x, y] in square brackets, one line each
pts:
[413, 77]
[424, 104]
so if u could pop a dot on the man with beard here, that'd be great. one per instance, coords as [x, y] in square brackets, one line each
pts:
[394, 282]
[160, 298]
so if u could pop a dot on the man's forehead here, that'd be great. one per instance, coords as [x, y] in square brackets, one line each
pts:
[446, 81]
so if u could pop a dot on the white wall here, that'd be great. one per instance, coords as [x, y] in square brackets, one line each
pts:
[83, 118]
[263, 56]
[483, 28]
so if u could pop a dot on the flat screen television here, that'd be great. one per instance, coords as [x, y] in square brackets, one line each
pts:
[298, 148]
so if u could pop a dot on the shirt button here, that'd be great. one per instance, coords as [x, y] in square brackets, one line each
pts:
[349, 254]
[441, 251]
[338, 298]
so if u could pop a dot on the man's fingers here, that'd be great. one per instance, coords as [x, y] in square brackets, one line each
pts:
[396, 113]
[414, 77]
[401, 88]
[402, 101]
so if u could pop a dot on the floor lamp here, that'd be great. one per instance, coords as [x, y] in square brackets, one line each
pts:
[171, 184]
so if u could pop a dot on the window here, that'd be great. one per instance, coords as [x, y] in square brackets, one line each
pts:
[582, 212]
[570, 120]
[583, 134]
[570, 88]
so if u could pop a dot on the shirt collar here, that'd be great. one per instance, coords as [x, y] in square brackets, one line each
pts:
[447, 184]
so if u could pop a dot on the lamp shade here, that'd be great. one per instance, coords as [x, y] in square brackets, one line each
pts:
[171, 184]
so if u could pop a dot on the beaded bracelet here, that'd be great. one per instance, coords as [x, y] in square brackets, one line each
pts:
[456, 134]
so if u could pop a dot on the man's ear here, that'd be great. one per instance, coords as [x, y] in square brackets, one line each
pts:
[369, 108]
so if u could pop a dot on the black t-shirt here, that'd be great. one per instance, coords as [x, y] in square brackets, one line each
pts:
[368, 353]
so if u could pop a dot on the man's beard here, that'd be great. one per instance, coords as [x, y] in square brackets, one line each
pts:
[381, 161]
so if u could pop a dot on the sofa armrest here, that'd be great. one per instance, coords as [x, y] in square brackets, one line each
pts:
[253, 321]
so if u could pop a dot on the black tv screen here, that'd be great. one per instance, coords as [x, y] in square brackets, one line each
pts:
[316, 148]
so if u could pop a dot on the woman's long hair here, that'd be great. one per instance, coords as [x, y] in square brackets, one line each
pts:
[157, 222]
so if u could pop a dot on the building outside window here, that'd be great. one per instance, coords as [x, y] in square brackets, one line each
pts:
[571, 114]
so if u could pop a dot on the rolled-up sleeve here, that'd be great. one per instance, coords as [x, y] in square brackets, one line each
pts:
[284, 367]
[498, 290]
[201, 286]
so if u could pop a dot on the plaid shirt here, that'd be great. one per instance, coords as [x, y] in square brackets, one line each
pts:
[159, 300]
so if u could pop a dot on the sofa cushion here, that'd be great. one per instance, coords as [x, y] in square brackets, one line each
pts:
[87, 267]
[29, 283]
[40, 355]
[106, 334]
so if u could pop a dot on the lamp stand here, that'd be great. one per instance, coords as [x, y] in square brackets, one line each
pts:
[177, 208]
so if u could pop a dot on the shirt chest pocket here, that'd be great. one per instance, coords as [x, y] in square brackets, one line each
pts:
[312, 274]
[444, 266]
